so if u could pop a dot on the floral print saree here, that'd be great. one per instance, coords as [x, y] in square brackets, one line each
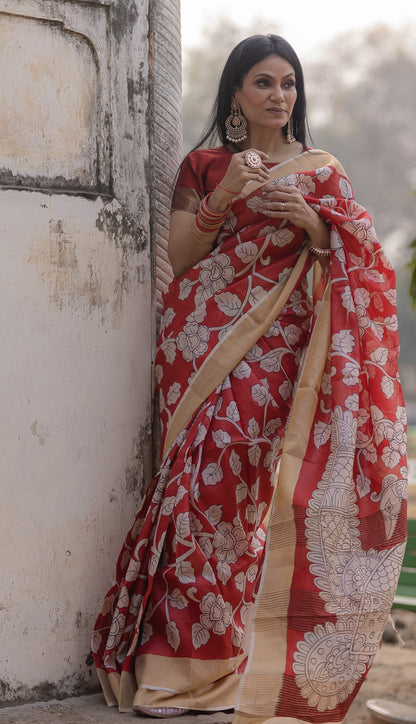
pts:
[261, 567]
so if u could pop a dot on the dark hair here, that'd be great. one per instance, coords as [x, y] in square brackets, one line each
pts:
[247, 53]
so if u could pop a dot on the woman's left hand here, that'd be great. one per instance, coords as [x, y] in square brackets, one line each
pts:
[287, 202]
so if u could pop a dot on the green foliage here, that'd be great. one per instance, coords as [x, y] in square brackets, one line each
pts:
[412, 267]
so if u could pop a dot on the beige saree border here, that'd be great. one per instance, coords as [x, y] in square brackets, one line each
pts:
[309, 160]
[231, 349]
[261, 683]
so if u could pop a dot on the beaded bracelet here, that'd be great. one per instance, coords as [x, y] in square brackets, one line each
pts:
[315, 249]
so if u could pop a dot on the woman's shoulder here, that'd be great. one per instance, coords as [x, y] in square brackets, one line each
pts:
[208, 155]
[321, 158]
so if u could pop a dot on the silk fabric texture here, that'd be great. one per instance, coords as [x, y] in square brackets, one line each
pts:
[261, 567]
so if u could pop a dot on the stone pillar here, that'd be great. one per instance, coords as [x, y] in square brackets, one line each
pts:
[78, 94]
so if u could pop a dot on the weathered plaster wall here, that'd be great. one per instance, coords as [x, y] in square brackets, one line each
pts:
[77, 286]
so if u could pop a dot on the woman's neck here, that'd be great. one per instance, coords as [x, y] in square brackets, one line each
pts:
[274, 144]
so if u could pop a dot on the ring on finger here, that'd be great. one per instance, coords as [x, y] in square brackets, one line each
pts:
[252, 159]
[282, 206]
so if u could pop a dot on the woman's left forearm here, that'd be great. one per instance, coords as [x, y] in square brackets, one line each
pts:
[318, 232]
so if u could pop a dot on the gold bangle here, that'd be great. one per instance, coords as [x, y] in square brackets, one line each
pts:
[315, 249]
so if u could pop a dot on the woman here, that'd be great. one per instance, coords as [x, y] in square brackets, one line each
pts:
[282, 413]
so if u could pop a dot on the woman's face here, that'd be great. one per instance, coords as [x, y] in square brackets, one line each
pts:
[268, 93]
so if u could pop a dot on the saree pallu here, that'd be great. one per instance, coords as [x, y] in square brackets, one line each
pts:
[283, 421]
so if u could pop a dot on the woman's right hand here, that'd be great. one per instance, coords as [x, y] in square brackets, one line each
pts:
[236, 177]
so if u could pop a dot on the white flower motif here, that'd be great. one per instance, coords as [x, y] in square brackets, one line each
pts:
[192, 342]
[216, 272]
[229, 543]
[215, 613]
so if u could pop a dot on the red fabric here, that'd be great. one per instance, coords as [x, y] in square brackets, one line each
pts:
[186, 574]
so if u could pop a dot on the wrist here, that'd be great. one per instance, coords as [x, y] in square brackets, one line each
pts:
[219, 200]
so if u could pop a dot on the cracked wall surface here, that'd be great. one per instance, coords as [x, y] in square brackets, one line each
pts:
[86, 173]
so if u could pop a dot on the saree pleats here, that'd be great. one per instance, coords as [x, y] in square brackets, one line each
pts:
[262, 564]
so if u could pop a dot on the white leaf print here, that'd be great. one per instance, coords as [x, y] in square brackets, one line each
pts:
[272, 426]
[252, 572]
[285, 390]
[208, 573]
[247, 252]
[282, 237]
[343, 341]
[221, 438]
[391, 323]
[324, 173]
[253, 427]
[401, 414]
[241, 492]
[254, 353]
[178, 600]
[167, 318]
[292, 333]
[242, 371]
[235, 463]
[260, 395]
[185, 572]
[273, 361]
[375, 276]
[350, 373]
[158, 373]
[236, 636]
[363, 485]
[240, 581]
[380, 355]
[182, 525]
[214, 514]
[168, 505]
[251, 514]
[347, 301]
[254, 454]
[205, 545]
[321, 433]
[228, 303]
[351, 403]
[174, 393]
[147, 632]
[200, 635]
[201, 434]
[391, 296]
[185, 288]
[199, 314]
[232, 411]
[223, 572]
[172, 635]
[345, 189]
[363, 415]
[212, 474]
[256, 295]
[390, 458]
[181, 492]
[387, 385]
[169, 349]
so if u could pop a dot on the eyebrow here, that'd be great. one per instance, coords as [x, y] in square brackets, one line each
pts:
[268, 75]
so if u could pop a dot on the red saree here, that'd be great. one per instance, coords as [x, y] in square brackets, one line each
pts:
[263, 389]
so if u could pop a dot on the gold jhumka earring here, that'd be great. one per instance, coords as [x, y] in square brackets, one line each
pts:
[290, 138]
[236, 124]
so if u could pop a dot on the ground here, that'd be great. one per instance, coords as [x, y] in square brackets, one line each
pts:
[392, 677]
